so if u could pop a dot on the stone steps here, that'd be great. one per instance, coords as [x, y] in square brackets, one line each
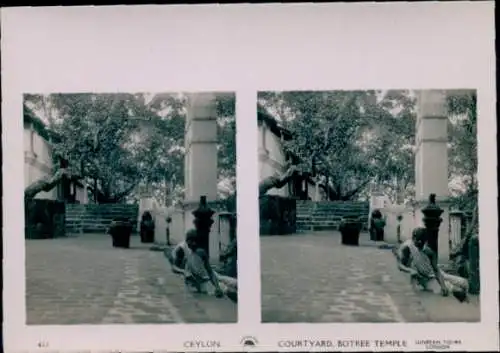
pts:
[93, 218]
[318, 216]
[107, 214]
[102, 217]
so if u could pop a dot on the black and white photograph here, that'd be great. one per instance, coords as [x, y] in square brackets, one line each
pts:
[130, 209]
[368, 206]
[249, 177]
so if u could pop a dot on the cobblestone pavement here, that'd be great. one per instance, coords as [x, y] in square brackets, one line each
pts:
[313, 278]
[84, 280]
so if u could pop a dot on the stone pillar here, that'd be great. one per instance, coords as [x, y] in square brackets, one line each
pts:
[200, 171]
[431, 161]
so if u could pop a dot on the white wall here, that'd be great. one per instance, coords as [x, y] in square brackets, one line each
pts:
[177, 228]
[379, 201]
[37, 161]
[311, 192]
[160, 215]
[82, 194]
[272, 162]
[391, 214]
[271, 158]
[42, 149]
[38, 164]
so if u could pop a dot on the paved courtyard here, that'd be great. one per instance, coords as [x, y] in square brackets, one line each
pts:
[84, 280]
[313, 278]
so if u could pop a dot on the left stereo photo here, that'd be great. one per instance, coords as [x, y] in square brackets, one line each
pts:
[130, 208]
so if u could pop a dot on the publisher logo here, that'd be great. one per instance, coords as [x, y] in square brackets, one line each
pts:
[249, 341]
[438, 345]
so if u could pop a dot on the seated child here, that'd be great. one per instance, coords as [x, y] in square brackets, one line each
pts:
[192, 261]
[416, 258]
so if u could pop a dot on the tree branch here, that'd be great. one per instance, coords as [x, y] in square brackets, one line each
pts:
[44, 184]
[331, 191]
[278, 182]
[350, 194]
[124, 193]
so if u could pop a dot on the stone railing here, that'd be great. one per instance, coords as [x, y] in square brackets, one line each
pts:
[160, 216]
[226, 228]
[176, 226]
[457, 228]
[400, 222]
[222, 230]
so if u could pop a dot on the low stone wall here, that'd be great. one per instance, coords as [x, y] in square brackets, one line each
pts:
[277, 215]
[227, 229]
[44, 219]
[95, 218]
[392, 224]
[220, 234]
[160, 216]
[176, 227]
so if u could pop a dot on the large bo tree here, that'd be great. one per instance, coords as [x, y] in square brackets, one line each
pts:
[348, 138]
[119, 141]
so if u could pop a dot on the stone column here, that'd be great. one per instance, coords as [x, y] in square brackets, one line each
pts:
[201, 160]
[431, 160]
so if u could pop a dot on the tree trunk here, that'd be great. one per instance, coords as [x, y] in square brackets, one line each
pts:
[278, 182]
[327, 188]
[44, 184]
[334, 193]
[96, 192]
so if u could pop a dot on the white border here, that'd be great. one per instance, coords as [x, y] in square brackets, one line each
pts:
[244, 48]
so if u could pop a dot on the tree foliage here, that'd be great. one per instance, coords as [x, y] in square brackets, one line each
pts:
[463, 136]
[120, 141]
[348, 138]
[463, 157]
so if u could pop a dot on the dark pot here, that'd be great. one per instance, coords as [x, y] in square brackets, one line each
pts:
[350, 231]
[147, 231]
[379, 234]
[147, 236]
[120, 232]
